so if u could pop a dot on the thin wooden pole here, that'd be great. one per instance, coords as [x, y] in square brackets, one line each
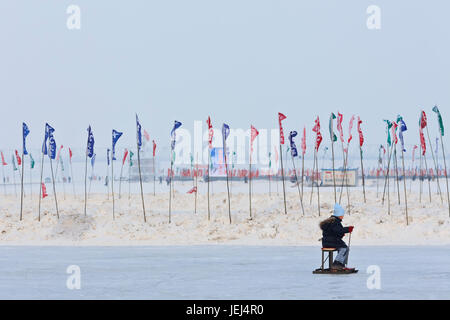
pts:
[154, 177]
[428, 178]
[435, 166]
[140, 182]
[170, 187]
[120, 181]
[196, 182]
[250, 185]
[228, 186]
[404, 186]
[4, 180]
[40, 187]
[21, 186]
[282, 177]
[446, 176]
[303, 172]
[72, 179]
[54, 188]
[396, 172]
[362, 173]
[85, 184]
[334, 174]
[209, 165]
[298, 186]
[421, 175]
[112, 186]
[318, 187]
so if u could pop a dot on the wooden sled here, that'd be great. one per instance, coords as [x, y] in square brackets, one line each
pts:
[329, 270]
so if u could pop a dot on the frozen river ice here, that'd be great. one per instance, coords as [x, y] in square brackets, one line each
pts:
[220, 272]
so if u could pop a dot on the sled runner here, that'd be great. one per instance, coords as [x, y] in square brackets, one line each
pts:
[329, 270]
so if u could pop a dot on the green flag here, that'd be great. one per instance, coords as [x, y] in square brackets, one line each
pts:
[388, 129]
[31, 162]
[270, 161]
[14, 163]
[441, 123]
[333, 137]
[131, 158]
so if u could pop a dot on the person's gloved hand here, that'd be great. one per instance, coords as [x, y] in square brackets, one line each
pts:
[350, 229]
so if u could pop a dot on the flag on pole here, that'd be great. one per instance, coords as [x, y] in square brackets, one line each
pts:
[350, 127]
[48, 130]
[281, 117]
[115, 137]
[333, 137]
[13, 163]
[32, 162]
[403, 128]
[253, 134]
[70, 154]
[292, 135]
[3, 159]
[340, 117]
[413, 152]
[361, 136]
[59, 151]
[210, 132]
[225, 134]
[90, 143]
[316, 129]
[138, 133]
[304, 141]
[423, 120]
[394, 132]
[51, 145]
[154, 148]
[25, 132]
[146, 135]
[19, 160]
[93, 160]
[44, 190]
[125, 154]
[131, 158]
[441, 123]
[176, 125]
[388, 129]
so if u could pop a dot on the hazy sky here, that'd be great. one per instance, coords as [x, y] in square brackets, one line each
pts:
[239, 61]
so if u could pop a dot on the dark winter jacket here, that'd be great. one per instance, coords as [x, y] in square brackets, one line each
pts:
[333, 232]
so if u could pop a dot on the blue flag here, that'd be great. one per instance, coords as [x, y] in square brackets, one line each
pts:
[176, 125]
[25, 131]
[51, 144]
[403, 128]
[48, 129]
[138, 133]
[90, 143]
[93, 160]
[225, 134]
[115, 136]
[107, 155]
[294, 152]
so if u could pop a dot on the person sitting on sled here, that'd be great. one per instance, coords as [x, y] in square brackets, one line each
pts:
[333, 232]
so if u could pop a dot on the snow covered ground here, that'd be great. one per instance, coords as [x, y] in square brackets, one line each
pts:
[220, 272]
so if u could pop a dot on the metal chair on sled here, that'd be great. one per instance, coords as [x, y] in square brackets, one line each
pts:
[329, 270]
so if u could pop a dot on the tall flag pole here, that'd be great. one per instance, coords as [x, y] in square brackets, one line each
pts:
[89, 154]
[3, 172]
[303, 156]
[413, 168]
[154, 168]
[71, 173]
[115, 137]
[340, 129]
[173, 133]
[281, 117]
[52, 156]
[108, 159]
[210, 138]
[125, 154]
[14, 168]
[130, 160]
[441, 131]
[361, 142]
[225, 134]
[380, 163]
[346, 152]
[386, 181]
[139, 145]
[62, 174]
[25, 132]
[44, 151]
[423, 124]
[435, 162]
[294, 153]
[253, 134]
[403, 128]
[333, 139]
[316, 129]
[394, 143]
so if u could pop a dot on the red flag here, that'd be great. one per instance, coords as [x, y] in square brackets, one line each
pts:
[422, 141]
[194, 189]
[361, 137]
[146, 135]
[70, 154]
[44, 190]
[253, 134]
[340, 117]
[394, 132]
[318, 140]
[210, 132]
[19, 161]
[125, 154]
[316, 129]
[304, 141]
[154, 148]
[281, 117]
[413, 152]
[57, 156]
[423, 120]
[350, 127]
[3, 160]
